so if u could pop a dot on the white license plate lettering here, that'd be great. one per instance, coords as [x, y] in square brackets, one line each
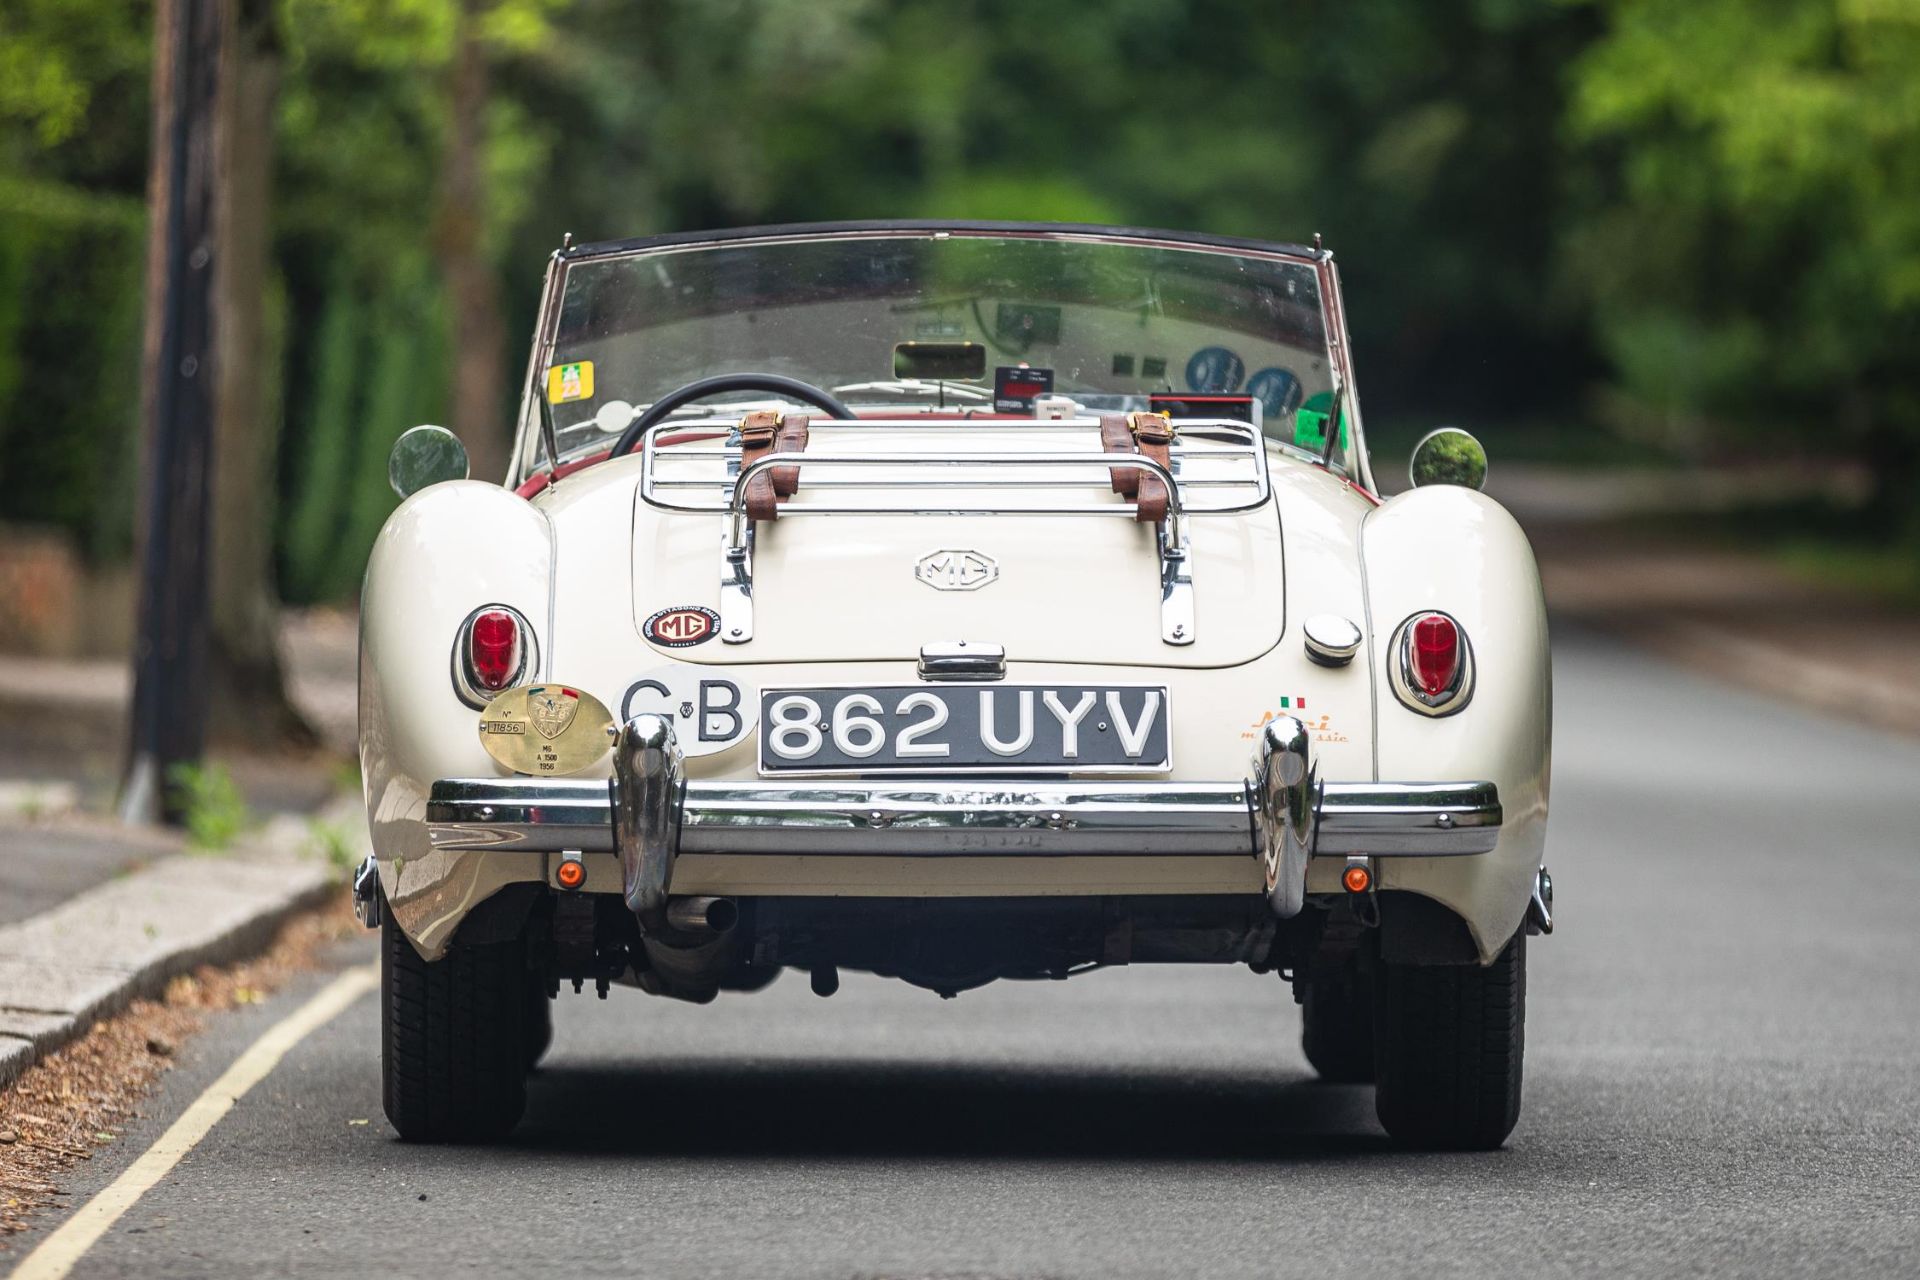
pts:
[1133, 737]
[793, 727]
[908, 745]
[1022, 737]
[1005, 728]
[1069, 720]
[858, 735]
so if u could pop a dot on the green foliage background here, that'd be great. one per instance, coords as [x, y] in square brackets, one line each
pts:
[1692, 228]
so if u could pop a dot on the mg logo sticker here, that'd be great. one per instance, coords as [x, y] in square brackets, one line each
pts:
[956, 570]
[680, 627]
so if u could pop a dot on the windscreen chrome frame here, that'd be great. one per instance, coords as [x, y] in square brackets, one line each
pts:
[529, 447]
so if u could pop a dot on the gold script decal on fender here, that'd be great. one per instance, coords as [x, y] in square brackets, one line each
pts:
[570, 729]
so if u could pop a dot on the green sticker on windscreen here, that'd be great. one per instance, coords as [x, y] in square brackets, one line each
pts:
[1310, 426]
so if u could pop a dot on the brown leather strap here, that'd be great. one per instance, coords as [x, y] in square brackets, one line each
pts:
[791, 438]
[1117, 437]
[758, 433]
[1152, 436]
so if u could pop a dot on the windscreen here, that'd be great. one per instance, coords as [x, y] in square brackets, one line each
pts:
[1108, 322]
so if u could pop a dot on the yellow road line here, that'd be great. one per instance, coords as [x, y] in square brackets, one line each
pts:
[58, 1252]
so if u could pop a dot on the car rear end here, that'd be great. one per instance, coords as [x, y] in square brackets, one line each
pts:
[960, 696]
[956, 714]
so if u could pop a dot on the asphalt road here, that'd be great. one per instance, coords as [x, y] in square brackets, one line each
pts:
[1721, 1078]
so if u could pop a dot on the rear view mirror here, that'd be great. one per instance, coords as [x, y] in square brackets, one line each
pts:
[424, 456]
[1448, 456]
[939, 361]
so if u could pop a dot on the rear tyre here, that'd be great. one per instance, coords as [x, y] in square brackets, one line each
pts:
[539, 1023]
[1336, 1021]
[1448, 1043]
[454, 1039]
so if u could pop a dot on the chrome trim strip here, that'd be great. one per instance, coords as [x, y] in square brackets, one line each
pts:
[528, 436]
[945, 817]
[1176, 580]
[1042, 819]
[736, 589]
[516, 814]
[1409, 819]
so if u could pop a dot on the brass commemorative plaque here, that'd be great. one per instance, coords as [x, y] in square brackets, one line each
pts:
[546, 729]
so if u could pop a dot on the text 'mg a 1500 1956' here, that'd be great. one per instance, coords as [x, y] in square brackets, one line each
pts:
[546, 729]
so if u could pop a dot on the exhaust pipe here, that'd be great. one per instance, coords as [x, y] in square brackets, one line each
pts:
[702, 915]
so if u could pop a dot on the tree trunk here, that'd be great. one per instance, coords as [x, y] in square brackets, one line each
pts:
[247, 688]
[479, 328]
[170, 642]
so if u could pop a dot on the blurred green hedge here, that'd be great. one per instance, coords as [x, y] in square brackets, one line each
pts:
[1691, 228]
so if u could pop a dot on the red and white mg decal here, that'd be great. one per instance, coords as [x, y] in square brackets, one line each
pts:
[681, 626]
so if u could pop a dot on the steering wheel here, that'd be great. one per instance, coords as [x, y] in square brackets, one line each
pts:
[704, 387]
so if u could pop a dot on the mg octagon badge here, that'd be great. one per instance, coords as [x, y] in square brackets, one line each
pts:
[956, 570]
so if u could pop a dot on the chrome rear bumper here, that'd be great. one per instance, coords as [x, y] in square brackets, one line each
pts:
[650, 813]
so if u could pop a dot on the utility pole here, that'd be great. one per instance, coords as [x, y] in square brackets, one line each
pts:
[170, 643]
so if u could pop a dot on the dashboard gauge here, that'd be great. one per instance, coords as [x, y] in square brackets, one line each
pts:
[1277, 390]
[1215, 371]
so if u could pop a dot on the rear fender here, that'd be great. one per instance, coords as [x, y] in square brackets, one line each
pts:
[1457, 551]
[445, 552]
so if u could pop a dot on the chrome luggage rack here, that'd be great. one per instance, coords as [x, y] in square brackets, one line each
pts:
[1212, 456]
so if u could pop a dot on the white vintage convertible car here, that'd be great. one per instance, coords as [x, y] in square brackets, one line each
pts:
[952, 602]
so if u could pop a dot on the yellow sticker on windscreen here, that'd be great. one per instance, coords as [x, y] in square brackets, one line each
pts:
[570, 382]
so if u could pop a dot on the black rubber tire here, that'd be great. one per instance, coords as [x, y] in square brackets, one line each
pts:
[1448, 1049]
[1336, 1021]
[539, 1023]
[453, 1039]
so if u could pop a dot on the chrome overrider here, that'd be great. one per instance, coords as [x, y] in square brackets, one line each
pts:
[650, 813]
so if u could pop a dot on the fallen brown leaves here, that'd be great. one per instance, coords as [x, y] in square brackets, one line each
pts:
[75, 1101]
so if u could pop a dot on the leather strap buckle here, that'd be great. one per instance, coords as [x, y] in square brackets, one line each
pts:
[762, 432]
[757, 430]
[1151, 428]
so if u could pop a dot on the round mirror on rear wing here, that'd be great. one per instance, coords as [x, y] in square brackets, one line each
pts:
[425, 455]
[1448, 456]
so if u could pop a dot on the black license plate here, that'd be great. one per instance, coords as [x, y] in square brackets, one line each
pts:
[932, 728]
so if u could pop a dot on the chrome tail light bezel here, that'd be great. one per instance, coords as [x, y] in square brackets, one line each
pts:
[466, 683]
[1406, 687]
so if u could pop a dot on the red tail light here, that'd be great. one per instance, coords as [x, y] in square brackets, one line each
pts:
[1436, 653]
[493, 649]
